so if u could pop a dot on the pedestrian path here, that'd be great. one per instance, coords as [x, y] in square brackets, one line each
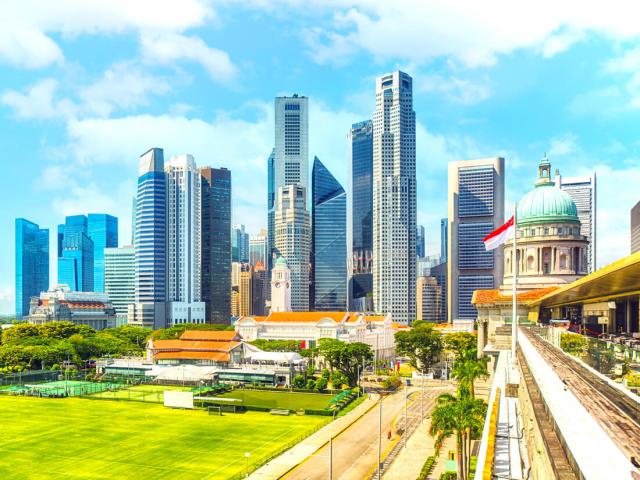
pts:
[282, 464]
[409, 462]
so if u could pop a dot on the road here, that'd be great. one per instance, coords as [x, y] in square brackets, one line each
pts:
[355, 451]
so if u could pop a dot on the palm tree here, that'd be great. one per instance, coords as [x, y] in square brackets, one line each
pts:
[467, 370]
[463, 415]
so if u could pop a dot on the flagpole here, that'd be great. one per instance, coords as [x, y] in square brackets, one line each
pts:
[514, 263]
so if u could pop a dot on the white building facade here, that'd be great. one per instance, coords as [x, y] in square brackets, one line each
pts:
[184, 297]
[281, 287]
[394, 198]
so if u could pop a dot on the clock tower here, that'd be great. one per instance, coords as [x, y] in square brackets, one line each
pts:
[280, 286]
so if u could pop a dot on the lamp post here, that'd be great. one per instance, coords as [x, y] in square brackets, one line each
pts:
[422, 397]
[405, 415]
[246, 457]
[330, 458]
[379, 434]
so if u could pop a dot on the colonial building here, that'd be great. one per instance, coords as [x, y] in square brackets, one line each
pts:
[309, 327]
[281, 286]
[550, 252]
[198, 347]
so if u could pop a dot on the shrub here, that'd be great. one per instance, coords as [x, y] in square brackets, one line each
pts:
[427, 468]
[298, 381]
[326, 374]
[55, 367]
[391, 383]
[448, 476]
[573, 343]
[311, 384]
[321, 384]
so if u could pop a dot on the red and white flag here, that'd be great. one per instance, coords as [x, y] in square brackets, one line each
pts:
[500, 236]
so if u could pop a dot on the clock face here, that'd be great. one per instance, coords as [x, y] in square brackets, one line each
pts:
[277, 284]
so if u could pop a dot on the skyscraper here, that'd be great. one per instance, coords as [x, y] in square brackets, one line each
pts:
[32, 264]
[420, 241]
[394, 198]
[582, 191]
[360, 216]
[475, 209]
[216, 243]
[239, 244]
[76, 259]
[444, 238]
[184, 229]
[258, 290]
[133, 220]
[150, 242]
[258, 248]
[120, 279]
[293, 241]
[271, 210]
[429, 296]
[102, 229]
[245, 284]
[329, 240]
[635, 228]
[291, 142]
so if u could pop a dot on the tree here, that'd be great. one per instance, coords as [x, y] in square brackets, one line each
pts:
[460, 343]
[298, 381]
[175, 331]
[345, 357]
[277, 345]
[310, 384]
[421, 344]
[463, 416]
[321, 384]
[468, 369]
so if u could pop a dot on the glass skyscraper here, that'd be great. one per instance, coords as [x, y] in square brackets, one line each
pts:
[329, 241]
[360, 216]
[216, 243]
[76, 250]
[150, 242]
[444, 239]
[103, 231]
[271, 208]
[475, 209]
[120, 279]
[239, 244]
[32, 263]
[420, 241]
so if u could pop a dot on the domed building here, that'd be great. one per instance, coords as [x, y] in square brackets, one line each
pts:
[550, 252]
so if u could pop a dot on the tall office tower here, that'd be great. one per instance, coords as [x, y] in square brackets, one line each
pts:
[439, 272]
[582, 191]
[102, 229]
[239, 244]
[216, 243]
[244, 290]
[291, 142]
[444, 239]
[475, 209]
[76, 262]
[120, 279]
[32, 264]
[293, 241]
[258, 248]
[360, 216]
[635, 228]
[258, 290]
[271, 211]
[329, 241]
[420, 242]
[394, 198]
[133, 220]
[236, 267]
[428, 296]
[184, 241]
[150, 243]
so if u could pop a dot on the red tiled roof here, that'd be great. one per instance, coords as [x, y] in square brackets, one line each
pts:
[208, 335]
[215, 356]
[194, 345]
[484, 297]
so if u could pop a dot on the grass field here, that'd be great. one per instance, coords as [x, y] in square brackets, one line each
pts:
[140, 393]
[283, 400]
[76, 438]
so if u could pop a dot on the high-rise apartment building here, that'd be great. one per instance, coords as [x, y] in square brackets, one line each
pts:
[420, 242]
[475, 209]
[239, 244]
[429, 297]
[258, 248]
[184, 241]
[120, 279]
[444, 238]
[329, 241]
[102, 229]
[582, 191]
[635, 228]
[245, 294]
[360, 216]
[293, 241]
[216, 243]
[76, 255]
[394, 198]
[150, 243]
[32, 264]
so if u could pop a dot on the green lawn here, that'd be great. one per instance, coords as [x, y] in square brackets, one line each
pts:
[283, 399]
[77, 438]
[141, 393]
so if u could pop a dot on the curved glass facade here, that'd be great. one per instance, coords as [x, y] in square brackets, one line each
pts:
[32, 263]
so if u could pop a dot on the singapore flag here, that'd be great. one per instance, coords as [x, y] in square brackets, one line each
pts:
[500, 236]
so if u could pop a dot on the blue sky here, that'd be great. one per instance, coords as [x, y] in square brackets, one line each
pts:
[85, 87]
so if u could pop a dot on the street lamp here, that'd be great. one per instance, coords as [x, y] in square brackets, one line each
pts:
[379, 433]
[405, 415]
[246, 457]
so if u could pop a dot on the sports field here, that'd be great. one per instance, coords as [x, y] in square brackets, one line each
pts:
[140, 393]
[77, 438]
[282, 400]
[71, 388]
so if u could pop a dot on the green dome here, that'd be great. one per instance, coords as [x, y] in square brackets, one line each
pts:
[546, 203]
[281, 261]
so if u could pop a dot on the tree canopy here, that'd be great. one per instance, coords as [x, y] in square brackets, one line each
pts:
[345, 357]
[421, 344]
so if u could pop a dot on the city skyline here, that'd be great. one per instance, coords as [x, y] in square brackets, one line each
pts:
[68, 119]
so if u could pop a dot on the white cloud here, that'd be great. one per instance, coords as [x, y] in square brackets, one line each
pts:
[564, 145]
[167, 48]
[458, 90]
[628, 64]
[37, 101]
[7, 298]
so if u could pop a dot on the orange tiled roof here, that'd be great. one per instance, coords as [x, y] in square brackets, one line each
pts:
[300, 317]
[208, 335]
[484, 297]
[194, 345]
[374, 318]
[215, 356]
[399, 326]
